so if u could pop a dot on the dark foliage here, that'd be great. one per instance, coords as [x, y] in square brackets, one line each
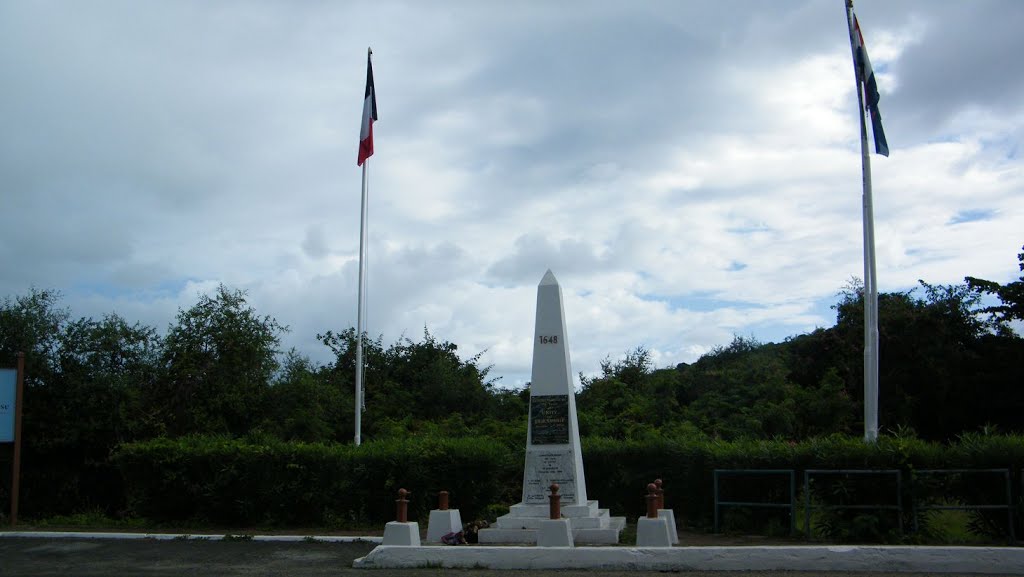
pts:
[949, 365]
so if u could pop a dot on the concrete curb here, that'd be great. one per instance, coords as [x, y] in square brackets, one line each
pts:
[990, 560]
[187, 536]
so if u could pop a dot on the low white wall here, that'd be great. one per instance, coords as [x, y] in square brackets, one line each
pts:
[993, 560]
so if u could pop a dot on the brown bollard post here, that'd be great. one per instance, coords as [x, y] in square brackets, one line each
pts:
[555, 504]
[652, 501]
[661, 493]
[402, 506]
[442, 501]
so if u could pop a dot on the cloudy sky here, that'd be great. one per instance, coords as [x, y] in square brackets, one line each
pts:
[690, 171]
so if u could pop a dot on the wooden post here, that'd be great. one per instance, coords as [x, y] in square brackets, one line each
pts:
[555, 503]
[442, 501]
[652, 501]
[402, 506]
[19, 396]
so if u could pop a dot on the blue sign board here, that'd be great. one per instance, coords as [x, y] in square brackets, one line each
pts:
[8, 390]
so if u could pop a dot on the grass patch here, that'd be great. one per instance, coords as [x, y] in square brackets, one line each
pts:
[97, 521]
[89, 519]
[628, 534]
[953, 527]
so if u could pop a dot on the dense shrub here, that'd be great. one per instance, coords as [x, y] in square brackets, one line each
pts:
[266, 481]
[236, 482]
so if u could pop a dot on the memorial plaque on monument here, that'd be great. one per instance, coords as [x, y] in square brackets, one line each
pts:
[546, 467]
[549, 420]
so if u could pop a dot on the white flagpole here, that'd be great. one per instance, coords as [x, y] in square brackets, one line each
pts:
[870, 284]
[359, 314]
[366, 133]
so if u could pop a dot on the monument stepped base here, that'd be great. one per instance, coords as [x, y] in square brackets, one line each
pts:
[589, 525]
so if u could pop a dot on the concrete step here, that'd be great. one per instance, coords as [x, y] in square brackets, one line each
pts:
[590, 509]
[607, 535]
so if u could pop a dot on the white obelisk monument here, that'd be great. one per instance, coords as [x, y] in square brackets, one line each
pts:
[553, 434]
[553, 453]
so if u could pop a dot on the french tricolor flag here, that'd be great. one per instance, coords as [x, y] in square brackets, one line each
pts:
[870, 91]
[369, 115]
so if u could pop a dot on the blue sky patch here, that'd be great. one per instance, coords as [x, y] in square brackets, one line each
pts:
[736, 265]
[973, 215]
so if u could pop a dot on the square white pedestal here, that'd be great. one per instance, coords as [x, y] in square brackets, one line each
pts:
[441, 523]
[652, 532]
[407, 534]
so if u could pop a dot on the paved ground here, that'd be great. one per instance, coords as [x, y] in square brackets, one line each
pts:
[38, 557]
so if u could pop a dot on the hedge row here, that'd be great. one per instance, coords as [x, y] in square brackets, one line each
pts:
[232, 482]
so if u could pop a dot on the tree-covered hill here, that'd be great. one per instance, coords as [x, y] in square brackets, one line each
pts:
[950, 363]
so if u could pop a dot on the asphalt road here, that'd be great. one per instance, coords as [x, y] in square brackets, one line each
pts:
[38, 557]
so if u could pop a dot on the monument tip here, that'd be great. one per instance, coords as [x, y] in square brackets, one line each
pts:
[549, 278]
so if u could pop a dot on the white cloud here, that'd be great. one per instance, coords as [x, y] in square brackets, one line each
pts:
[689, 171]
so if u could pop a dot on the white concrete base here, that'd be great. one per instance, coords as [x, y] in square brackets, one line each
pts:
[402, 534]
[653, 532]
[441, 523]
[816, 558]
[670, 516]
[554, 533]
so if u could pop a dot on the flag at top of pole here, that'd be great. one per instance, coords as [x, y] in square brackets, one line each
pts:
[369, 115]
[870, 90]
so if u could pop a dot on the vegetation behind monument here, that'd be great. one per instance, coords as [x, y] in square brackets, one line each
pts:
[102, 395]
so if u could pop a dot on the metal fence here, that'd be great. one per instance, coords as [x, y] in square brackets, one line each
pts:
[791, 504]
[897, 506]
[920, 499]
[946, 474]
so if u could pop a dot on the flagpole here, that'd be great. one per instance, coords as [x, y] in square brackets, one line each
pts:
[870, 284]
[365, 152]
[359, 313]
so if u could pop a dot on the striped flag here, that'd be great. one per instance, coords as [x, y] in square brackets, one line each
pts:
[369, 115]
[870, 90]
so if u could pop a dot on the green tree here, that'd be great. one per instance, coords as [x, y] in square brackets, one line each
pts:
[90, 405]
[439, 382]
[941, 371]
[218, 359]
[412, 382]
[340, 374]
[105, 367]
[32, 324]
[628, 400]
[1010, 295]
[83, 381]
[741, 390]
[824, 409]
[304, 404]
